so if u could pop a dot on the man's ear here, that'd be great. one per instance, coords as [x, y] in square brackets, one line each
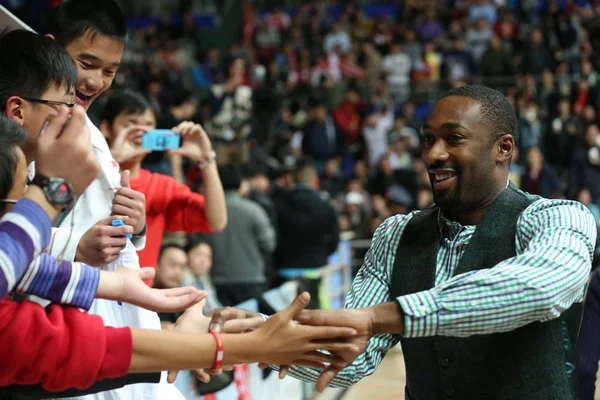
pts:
[105, 129]
[49, 35]
[14, 110]
[506, 146]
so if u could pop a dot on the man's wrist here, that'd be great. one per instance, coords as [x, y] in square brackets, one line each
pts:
[142, 231]
[385, 318]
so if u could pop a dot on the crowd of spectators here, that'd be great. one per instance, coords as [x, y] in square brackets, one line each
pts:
[315, 115]
[349, 87]
[351, 91]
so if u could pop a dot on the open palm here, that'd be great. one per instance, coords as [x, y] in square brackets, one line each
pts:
[136, 292]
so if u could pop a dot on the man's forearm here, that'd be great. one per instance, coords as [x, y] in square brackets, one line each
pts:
[215, 209]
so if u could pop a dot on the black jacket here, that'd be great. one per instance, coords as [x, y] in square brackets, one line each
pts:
[308, 230]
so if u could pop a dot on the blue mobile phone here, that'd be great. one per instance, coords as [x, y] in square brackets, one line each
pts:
[119, 222]
[161, 140]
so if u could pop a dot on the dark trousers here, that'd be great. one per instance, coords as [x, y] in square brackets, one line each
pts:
[35, 392]
[305, 285]
[232, 294]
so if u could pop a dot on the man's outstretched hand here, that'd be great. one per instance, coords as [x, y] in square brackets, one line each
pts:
[291, 343]
[351, 318]
[233, 320]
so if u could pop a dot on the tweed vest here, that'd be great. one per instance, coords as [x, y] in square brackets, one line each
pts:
[527, 363]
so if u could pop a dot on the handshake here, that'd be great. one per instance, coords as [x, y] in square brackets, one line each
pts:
[327, 340]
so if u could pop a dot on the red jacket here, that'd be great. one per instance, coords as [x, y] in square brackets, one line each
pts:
[170, 206]
[59, 347]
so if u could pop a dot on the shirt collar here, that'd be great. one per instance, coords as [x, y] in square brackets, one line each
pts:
[450, 228]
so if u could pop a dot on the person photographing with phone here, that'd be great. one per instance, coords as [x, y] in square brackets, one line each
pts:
[129, 124]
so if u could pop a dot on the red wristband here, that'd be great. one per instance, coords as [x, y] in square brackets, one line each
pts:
[218, 363]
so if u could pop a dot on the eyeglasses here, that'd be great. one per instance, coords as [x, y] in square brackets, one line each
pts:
[49, 102]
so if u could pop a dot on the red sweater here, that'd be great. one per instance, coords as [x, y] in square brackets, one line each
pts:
[170, 206]
[59, 347]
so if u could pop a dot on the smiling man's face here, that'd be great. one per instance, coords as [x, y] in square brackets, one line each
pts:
[97, 58]
[459, 154]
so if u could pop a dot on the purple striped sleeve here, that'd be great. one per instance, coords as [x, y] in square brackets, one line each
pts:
[65, 283]
[24, 232]
[86, 287]
[59, 285]
[38, 218]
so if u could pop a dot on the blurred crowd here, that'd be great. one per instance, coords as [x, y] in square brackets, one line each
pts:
[315, 112]
[351, 91]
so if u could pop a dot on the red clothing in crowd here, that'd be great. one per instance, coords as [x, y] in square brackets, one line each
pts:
[59, 347]
[347, 117]
[170, 206]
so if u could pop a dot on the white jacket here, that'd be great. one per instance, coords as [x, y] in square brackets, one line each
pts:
[94, 204]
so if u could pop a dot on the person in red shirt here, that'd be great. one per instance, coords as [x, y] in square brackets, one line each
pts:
[170, 206]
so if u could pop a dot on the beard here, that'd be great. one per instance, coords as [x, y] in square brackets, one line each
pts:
[450, 199]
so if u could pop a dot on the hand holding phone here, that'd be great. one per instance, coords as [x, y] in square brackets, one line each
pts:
[161, 140]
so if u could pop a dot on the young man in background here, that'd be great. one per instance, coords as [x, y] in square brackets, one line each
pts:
[170, 206]
[94, 33]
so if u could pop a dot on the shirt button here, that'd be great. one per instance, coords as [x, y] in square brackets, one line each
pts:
[473, 303]
[445, 362]
[449, 392]
[423, 309]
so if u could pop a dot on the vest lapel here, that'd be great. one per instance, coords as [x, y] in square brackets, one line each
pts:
[494, 237]
[421, 243]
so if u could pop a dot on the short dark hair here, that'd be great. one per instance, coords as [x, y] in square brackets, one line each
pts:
[305, 171]
[231, 177]
[496, 111]
[30, 64]
[168, 246]
[196, 242]
[73, 19]
[126, 101]
[181, 97]
[11, 136]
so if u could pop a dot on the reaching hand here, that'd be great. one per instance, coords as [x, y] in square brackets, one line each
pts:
[102, 243]
[64, 150]
[127, 285]
[291, 343]
[223, 320]
[192, 320]
[130, 203]
[195, 142]
[135, 291]
[124, 148]
[352, 318]
[233, 320]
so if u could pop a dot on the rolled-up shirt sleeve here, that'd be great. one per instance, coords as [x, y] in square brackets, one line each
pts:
[555, 244]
